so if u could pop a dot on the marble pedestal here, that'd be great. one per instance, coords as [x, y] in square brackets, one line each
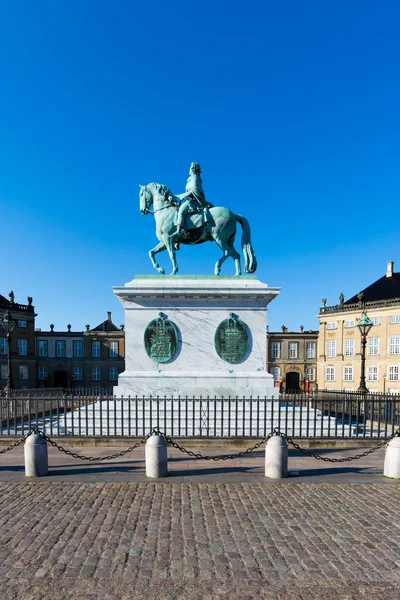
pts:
[196, 305]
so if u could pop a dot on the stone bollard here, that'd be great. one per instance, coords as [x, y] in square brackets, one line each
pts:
[156, 457]
[276, 457]
[36, 461]
[392, 459]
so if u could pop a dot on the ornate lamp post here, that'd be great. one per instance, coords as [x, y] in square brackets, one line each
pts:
[364, 326]
[8, 324]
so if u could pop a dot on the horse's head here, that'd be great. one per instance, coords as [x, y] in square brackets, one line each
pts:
[146, 199]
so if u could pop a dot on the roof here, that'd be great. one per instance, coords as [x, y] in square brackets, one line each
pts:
[106, 326]
[385, 288]
[4, 303]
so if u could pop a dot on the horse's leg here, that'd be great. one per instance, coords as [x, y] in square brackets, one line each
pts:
[228, 250]
[159, 248]
[169, 243]
[236, 257]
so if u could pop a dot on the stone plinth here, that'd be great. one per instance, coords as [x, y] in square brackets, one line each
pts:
[196, 305]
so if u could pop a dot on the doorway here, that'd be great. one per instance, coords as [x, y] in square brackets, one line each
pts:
[292, 382]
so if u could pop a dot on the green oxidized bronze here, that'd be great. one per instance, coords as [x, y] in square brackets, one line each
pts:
[161, 339]
[231, 339]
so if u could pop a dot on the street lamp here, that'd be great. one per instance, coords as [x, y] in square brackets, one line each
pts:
[364, 327]
[8, 324]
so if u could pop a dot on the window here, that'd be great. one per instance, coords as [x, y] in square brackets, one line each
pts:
[348, 373]
[330, 374]
[3, 372]
[348, 390]
[394, 344]
[22, 324]
[310, 373]
[3, 346]
[373, 346]
[43, 373]
[113, 349]
[114, 373]
[393, 373]
[376, 320]
[372, 374]
[350, 323]
[349, 347]
[292, 349]
[393, 391]
[331, 325]
[276, 373]
[331, 349]
[22, 347]
[23, 372]
[60, 348]
[77, 373]
[96, 373]
[78, 348]
[310, 350]
[395, 319]
[275, 350]
[96, 349]
[43, 348]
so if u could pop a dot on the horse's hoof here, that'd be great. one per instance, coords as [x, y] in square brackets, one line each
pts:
[161, 270]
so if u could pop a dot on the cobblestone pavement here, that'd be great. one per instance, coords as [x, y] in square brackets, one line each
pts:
[184, 541]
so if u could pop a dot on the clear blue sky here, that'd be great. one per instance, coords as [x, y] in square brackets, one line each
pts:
[291, 108]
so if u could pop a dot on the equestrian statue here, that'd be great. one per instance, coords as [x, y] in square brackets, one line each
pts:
[189, 218]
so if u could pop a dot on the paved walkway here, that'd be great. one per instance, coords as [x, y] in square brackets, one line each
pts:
[208, 531]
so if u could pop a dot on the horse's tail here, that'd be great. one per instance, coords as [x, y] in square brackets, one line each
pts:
[250, 261]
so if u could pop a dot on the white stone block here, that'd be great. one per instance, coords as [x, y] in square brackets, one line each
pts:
[156, 457]
[276, 457]
[392, 459]
[36, 459]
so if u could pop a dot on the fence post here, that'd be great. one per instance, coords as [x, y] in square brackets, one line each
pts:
[276, 457]
[156, 457]
[36, 460]
[392, 459]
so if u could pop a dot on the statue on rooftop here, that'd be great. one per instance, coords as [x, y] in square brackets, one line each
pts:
[190, 219]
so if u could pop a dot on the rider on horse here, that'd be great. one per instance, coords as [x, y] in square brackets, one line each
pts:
[194, 199]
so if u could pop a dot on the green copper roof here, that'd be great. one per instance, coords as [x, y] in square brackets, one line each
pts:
[365, 320]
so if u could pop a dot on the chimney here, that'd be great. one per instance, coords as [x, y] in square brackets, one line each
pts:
[389, 272]
[109, 315]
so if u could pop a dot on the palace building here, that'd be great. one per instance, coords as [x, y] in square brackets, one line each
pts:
[339, 344]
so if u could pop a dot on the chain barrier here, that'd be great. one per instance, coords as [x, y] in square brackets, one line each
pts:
[93, 458]
[198, 455]
[215, 458]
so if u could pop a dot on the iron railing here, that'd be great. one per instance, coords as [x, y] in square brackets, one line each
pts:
[318, 415]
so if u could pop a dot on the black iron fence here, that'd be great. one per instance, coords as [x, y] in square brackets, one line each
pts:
[97, 413]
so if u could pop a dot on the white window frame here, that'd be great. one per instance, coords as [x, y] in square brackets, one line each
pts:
[43, 344]
[349, 348]
[22, 324]
[3, 371]
[331, 325]
[275, 349]
[96, 373]
[310, 350]
[60, 348]
[310, 373]
[112, 352]
[23, 372]
[113, 373]
[376, 320]
[373, 346]
[3, 346]
[330, 374]
[350, 323]
[43, 373]
[394, 344]
[75, 345]
[293, 349]
[395, 319]
[22, 347]
[373, 373]
[331, 349]
[394, 373]
[276, 373]
[348, 373]
[96, 349]
[77, 373]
